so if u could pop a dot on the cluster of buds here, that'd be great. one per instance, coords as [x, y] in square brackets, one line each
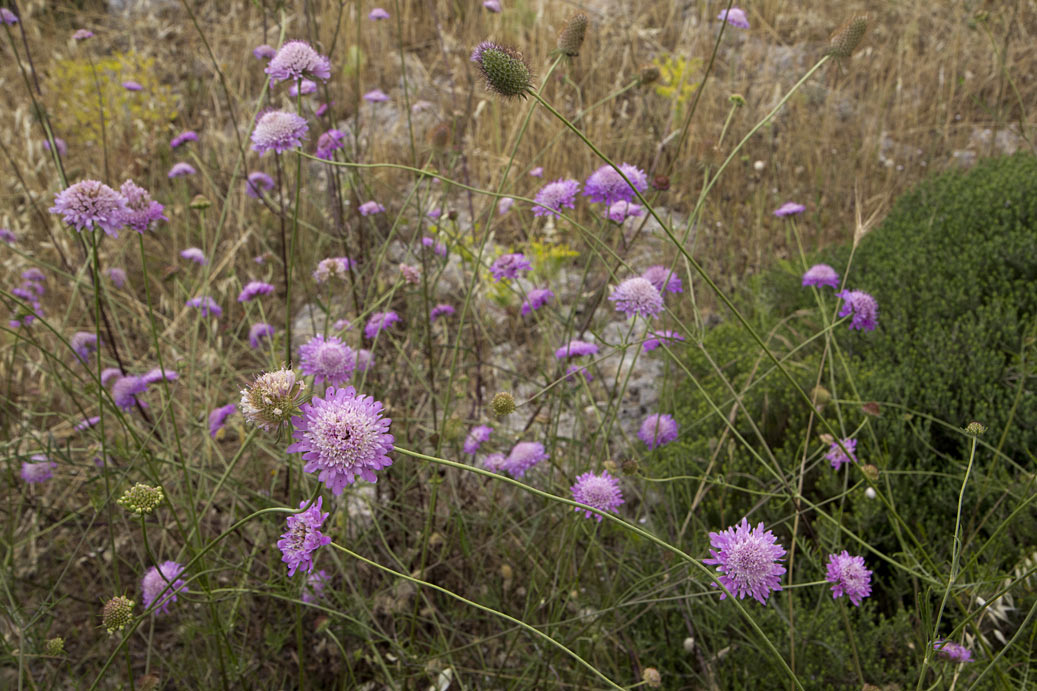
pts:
[141, 499]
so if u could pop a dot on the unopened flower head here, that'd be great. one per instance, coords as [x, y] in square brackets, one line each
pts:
[821, 275]
[476, 438]
[55, 646]
[600, 491]
[508, 266]
[571, 38]
[637, 296]
[141, 499]
[837, 457]
[555, 195]
[976, 429]
[658, 430]
[297, 59]
[503, 403]
[847, 37]
[218, 418]
[278, 131]
[747, 559]
[735, 17]
[608, 186]
[272, 399]
[117, 613]
[327, 360]
[524, 456]
[258, 333]
[849, 577]
[664, 279]
[303, 537]
[91, 204]
[378, 322]
[862, 306]
[651, 677]
[504, 69]
[160, 585]
[142, 210]
[537, 298]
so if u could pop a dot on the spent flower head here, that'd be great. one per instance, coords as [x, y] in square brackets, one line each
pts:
[503, 404]
[117, 613]
[847, 37]
[272, 399]
[571, 39]
[504, 69]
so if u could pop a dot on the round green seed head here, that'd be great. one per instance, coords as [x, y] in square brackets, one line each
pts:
[117, 613]
[504, 69]
[503, 404]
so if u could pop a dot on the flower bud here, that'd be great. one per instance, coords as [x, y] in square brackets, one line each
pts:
[55, 646]
[199, 203]
[141, 499]
[976, 429]
[661, 183]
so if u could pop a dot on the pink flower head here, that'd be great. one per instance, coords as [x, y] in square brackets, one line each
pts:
[218, 418]
[259, 332]
[836, 456]
[278, 131]
[183, 138]
[479, 435]
[257, 183]
[663, 279]
[329, 142]
[254, 289]
[295, 60]
[195, 255]
[622, 210]
[60, 143]
[87, 423]
[313, 589]
[537, 172]
[492, 5]
[734, 17]
[370, 208]
[637, 296]
[789, 208]
[304, 87]
[378, 13]
[656, 339]
[555, 195]
[264, 52]
[38, 469]
[8, 17]
[180, 170]
[379, 321]
[337, 267]
[327, 360]
[748, 561]
[132, 86]
[82, 34]
[7, 236]
[951, 651]
[606, 185]
[303, 537]
[126, 389]
[206, 305]
[537, 298]
[821, 275]
[376, 96]
[862, 306]
[84, 343]
[600, 491]
[411, 274]
[507, 266]
[161, 584]
[91, 204]
[848, 577]
[441, 310]
[504, 205]
[143, 211]
[576, 348]
[495, 463]
[524, 456]
[117, 276]
[658, 430]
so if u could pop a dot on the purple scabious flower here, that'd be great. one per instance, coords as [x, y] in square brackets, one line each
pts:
[7, 236]
[87, 423]
[258, 182]
[131, 85]
[143, 211]
[342, 325]
[441, 310]
[195, 255]
[259, 332]
[573, 370]
[59, 143]
[836, 456]
[322, 108]
[524, 456]
[434, 213]
[125, 391]
[328, 142]
[663, 279]
[161, 584]
[264, 52]
[537, 172]
[33, 274]
[659, 338]
[180, 170]
[821, 275]
[278, 131]
[495, 463]
[82, 34]
[206, 304]
[606, 185]
[379, 321]
[8, 17]
[117, 276]
[218, 418]
[554, 195]
[411, 274]
[600, 491]
[370, 208]
[504, 205]
[576, 348]
[342, 436]
[378, 13]
[748, 559]
[788, 208]
[951, 651]
[313, 589]
[508, 266]
[364, 360]
[254, 289]
[306, 86]
[848, 577]
[303, 537]
[492, 5]
[333, 266]
[637, 296]
[622, 210]
[537, 298]
[84, 343]
[38, 469]
[657, 430]
[863, 307]
[91, 204]
[327, 360]
[479, 435]
[376, 96]
[295, 60]
[734, 17]
[108, 374]
[183, 138]
[156, 375]
[436, 247]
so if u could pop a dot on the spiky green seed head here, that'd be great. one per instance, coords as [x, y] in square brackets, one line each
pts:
[975, 429]
[571, 38]
[117, 613]
[141, 499]
[504, 69]
[503, 404]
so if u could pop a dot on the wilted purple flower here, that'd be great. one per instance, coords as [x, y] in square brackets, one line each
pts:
[606, 185]
[524, 456]
[87, 423]
[313, 589]
[370, 208]
[848, 577]
[576, 348]
[91, 204]
[306, 86]
[441, 310]
[342, 436]
[206, 304]
[953, 652]
[39, 469]
[734, 17]
[537, 298]
[637, 296]
[476, 438]
[156, 375]
[254, 289]
[84, 343]
[181, 169]
[663, 279]
[258, 182]
[259, 332]
[495, 462]
[748, 559]
[537, 172]
[165, 578]
[303, 537]
[836, 456]
[295, 60]
[659, 338]
[108, 374]
[327, 360]
[863, 307]
[657, 430]
[376, 96]
[504, 205]
[218, 418]
[8, 17]
[821, 275]
[508, 265]
[125, 391]
[143, 211]
[7, 236]
[379, 321]
[264, 52]
[378, 13]
[195, 255]
[59, 143]
[117, 276]
[554, 195]
[131, 85]
[333, 266]
[600, 491]
[788, 208]
[492, 5]
[622, 210]
[82, 34]
[278, 131]
[328, 142]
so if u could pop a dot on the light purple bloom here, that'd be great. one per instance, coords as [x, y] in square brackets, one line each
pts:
[327, 360]
[376, 96]
[306, 86]
[328, 143]
[492, 5]
[951, 651]
[863, 307]
[206, 304]
[181, 169]
[125, 391]
[165, 578]
[258, 182]
[117, 276]
[59, 143]
[313, 589]
[659, 338]
[378, 13]
[87, 423]
[82, 34]
[254, 289]
[479, 435]
[434, 213]
[554, 195]
[7, 236]
[657, 430]
[748, 559]
[734, 17]
[259, 332]
[789, 208]
[370, 208]
[504, 205]
[143, 211]
[341, 325]
[600, 491]
[606, 185]
[537, 172]
[573, 370]
[836, 456]
[156, 375]
[411, 274]
[91, 204]
[195, 255]
[848, 577]
[218, 418]
[322, 108]
[495, 463]
[379, 321]
[34, 274]
[663, 279]
[264, 52]
[821, 275]
[132, 85]
[84, 343]
[576, 348]
[295, 60]
[441, 310]
[364, 360]
[183, 138]
[622, 210]
[108, 374]
[437, 247]
[342, 436]
[39, 469]
[637, 296]
[537, 298]
[303, 537]
[524, 456]
[508, 265]
[278, 131]
[8, 17]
